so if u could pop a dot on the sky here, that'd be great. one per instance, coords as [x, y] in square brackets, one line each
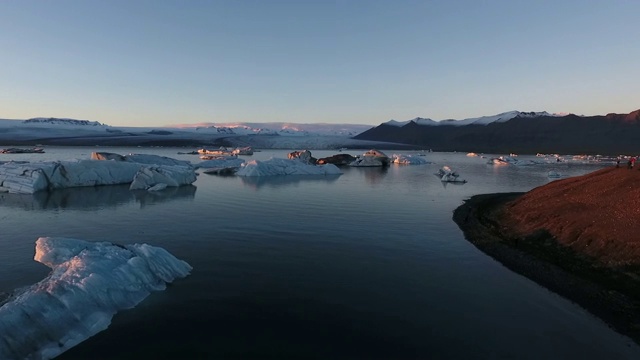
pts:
[160, 62]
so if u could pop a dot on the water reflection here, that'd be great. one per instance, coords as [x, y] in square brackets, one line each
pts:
[93, 198]
[258, 182]
[447, 183]
[373, 175]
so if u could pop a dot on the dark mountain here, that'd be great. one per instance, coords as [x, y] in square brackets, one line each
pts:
[610, 134]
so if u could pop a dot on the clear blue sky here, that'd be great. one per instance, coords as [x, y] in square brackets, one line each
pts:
[154, 63]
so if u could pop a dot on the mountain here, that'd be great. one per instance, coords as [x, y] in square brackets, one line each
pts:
[71, 132]
[484, 120]
[518, 132]
[282, 128]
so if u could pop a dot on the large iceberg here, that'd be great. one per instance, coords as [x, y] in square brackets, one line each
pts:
[89, 283]
[28, 178]
[276, 166]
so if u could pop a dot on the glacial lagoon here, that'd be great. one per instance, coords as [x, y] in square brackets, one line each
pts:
[367, 264]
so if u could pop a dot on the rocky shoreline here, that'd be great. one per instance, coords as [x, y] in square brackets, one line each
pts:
[610, 293]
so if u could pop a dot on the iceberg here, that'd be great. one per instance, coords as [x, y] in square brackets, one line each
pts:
[28, 178]
[447, 175]
[408, 159]
[37, 176]
[511, 160]
[371, 158]
[89, 283]
[275, 166]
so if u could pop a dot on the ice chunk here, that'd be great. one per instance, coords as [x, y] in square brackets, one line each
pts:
[408, 159]
[88, 284]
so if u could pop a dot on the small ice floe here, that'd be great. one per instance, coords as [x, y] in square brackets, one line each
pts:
[510, 160]
[88, 284]
[447, 175]
[553, 175]
[408, 159]
[224, 151]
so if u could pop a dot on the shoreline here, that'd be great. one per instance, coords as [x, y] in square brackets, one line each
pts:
[609, 294]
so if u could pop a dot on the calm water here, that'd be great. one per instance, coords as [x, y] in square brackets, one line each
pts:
[368, 264]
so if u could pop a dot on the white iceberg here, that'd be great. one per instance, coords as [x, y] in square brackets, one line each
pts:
[275, 166]
[89, 283]
[156, 178]
[408, 159]
[32, 177]
[37, 176]
[371, 158]
[511, 160]
[447, 175]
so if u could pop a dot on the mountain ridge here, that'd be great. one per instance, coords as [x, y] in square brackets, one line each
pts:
[507, 132]
[526, 133]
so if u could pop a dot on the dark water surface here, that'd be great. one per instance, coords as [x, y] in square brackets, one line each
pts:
[368, 264]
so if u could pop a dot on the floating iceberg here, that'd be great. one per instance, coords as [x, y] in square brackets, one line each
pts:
[511, 160]
[449, 176]
[408, 159]
[371, 158]
[28, 178]
[89, 283]
[275, 166]
[32, 177]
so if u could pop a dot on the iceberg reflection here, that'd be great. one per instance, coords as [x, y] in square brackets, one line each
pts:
[93, 198]
[257, 182]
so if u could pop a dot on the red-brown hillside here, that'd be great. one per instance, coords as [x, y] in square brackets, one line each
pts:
[597, 214]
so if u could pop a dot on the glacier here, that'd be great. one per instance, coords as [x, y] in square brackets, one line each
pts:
[89, 283]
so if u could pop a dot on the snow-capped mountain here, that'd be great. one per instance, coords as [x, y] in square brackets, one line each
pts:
[279, 128]
[513, 131]
[483, 120]
[64, 131]
[61, 121]
[519, 132]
